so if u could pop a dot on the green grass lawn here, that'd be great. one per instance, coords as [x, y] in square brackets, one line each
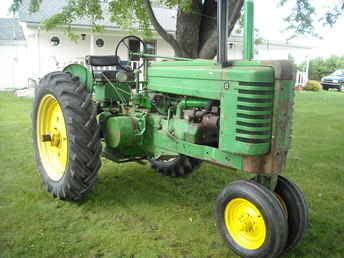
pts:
[134, 212]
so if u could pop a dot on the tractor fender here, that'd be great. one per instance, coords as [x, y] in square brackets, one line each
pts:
[83, 73]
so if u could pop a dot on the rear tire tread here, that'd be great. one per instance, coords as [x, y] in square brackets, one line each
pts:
[82, 132]
[180, 167]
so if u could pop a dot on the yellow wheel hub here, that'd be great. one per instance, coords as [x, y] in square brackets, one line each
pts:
[245, 223]
[52, 137]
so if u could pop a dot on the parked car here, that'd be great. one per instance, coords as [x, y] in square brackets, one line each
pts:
[334, 81]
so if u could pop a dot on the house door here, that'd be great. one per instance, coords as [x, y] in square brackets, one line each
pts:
[12, 67]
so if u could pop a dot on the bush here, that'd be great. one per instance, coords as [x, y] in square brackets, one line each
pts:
[312, 86]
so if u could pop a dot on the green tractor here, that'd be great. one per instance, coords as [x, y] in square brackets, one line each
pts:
[177, 114]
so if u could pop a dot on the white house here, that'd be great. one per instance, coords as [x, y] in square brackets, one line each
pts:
[13, 54]
[52, 50]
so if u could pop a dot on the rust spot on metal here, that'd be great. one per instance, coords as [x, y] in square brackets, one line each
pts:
[133, 123]
[260, 165]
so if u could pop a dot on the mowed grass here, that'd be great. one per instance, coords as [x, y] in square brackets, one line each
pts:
[134, 212]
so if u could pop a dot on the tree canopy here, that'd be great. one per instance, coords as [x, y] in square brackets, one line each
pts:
[196, 34]
[305, 15]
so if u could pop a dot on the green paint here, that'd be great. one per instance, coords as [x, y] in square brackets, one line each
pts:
[239, 126]
[83, 73]
[201, 80]
[189, 103]
[251, 117]
[252, 105]
[113, 91]
[249, 29]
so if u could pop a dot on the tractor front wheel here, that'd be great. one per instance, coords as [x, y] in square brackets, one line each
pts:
[251, 220]
[177, 166]
[65, 136]
[293, 201]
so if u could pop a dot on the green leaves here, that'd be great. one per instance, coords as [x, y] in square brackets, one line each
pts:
[320, 67]
[15, 6]
[131, 16]
[305, 15]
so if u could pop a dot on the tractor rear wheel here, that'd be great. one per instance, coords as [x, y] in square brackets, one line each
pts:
[65, 136]
[251, 220]
[177, 166]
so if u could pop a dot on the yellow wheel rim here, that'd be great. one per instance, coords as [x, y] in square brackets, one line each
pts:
[282, 202]
[245, 223]
[52, 137]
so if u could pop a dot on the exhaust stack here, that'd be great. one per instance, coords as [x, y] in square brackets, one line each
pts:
[222, 31]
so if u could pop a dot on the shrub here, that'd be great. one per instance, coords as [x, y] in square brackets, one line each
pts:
[312, 86]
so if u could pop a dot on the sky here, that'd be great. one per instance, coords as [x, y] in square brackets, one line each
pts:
[269, 21]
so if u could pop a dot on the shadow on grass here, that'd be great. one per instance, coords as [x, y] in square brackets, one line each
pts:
[130, 185]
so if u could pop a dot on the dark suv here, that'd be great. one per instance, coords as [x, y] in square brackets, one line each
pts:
[334, 81]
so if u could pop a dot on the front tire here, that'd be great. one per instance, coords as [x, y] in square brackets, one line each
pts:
[65, 136]
[296, 206]
[251, 220]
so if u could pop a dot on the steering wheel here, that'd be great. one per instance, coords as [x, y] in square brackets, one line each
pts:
[122, 41]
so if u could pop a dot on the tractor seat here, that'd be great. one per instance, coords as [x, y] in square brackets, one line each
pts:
[101, 67]
[102, 60]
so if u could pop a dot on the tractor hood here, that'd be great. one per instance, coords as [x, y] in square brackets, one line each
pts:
[204, 78]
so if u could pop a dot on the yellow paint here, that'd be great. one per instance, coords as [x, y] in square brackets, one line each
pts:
[245, 223]
[282, 202]
[53, 152]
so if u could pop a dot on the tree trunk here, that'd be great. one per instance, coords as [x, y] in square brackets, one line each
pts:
[208, 26]
[196, 34]
[209, 48]
[188, 27]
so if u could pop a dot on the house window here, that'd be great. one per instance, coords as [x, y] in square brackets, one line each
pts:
[100, 42]
[151, 48]
[55, 41]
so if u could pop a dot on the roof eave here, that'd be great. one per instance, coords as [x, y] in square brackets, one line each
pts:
[82, 26]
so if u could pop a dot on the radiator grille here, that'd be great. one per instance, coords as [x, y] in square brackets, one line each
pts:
[254, 112]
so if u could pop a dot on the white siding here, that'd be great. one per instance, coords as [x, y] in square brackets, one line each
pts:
[13, 65]
[47, 58]
[38, 57]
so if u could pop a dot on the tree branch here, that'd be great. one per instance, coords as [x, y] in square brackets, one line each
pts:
[162, 32]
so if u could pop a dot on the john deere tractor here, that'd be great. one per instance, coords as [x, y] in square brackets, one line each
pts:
[177, 114]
